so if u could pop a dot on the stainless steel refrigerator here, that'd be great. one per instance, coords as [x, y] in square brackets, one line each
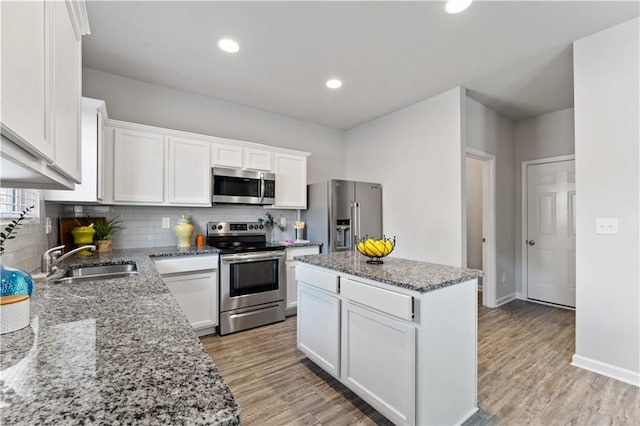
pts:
[339, 211]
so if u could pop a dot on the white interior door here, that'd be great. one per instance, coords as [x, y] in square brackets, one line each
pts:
[551, 232]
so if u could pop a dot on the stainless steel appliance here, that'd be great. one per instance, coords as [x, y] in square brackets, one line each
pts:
[252, 275]
[243, 186]
[339, 211]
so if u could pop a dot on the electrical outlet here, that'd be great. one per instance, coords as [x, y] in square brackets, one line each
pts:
[47, 225]
[283, 222]
[166, 222]
[504, 278]
[606, 225]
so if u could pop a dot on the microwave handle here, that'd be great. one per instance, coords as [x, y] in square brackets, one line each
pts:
[262, 189]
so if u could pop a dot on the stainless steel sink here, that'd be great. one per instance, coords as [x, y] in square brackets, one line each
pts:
[98, 272]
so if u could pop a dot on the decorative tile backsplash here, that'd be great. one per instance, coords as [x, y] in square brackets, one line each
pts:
[144, 224]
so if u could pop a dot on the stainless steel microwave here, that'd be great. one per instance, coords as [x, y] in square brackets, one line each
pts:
[243, 186]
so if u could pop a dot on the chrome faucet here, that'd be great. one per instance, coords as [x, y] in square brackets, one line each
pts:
[52, 257]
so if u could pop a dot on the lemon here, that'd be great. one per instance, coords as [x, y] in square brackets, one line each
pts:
[388, 245]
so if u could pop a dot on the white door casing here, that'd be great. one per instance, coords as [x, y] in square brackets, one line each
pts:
[489, 281]
[550, 242]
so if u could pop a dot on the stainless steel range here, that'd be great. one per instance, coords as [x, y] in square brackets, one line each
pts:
[252, 275]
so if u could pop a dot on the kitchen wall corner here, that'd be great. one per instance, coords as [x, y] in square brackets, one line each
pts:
[31, 240]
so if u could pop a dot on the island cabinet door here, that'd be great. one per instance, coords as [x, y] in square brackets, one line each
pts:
[319, 327]
[378, 361]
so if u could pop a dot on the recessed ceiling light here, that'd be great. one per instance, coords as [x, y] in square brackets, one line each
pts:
[334, 83]
[457, 6]
[228, 45]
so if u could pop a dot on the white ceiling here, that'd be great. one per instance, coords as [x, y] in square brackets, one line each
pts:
[513, 56]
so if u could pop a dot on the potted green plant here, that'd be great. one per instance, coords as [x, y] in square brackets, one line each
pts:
[104, 231]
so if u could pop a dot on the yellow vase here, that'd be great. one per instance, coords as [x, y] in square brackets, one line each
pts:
[83, 235]
[183, 231]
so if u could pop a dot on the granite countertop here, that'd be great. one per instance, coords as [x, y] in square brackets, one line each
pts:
[294, 243]
[116, 351]
[410, 274]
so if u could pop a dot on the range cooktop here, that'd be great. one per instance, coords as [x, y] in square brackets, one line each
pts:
[239, 237]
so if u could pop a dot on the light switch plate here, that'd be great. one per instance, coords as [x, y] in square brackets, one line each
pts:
[166, 222]
[283, 222]
[606, 225]
[47, 225]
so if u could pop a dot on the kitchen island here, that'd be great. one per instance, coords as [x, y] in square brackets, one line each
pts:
[115, 351]
[402, 335]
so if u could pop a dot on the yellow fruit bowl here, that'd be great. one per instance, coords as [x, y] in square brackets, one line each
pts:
[376, 249]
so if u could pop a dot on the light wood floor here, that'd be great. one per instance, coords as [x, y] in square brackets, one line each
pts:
[524, 376]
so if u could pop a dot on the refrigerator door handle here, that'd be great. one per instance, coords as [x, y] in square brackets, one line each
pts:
[358, 212]
[356, 224]
[354, 227]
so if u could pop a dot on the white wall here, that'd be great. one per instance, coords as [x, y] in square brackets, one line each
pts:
[548, 135]
[416, 154]
[474, 213]
[140, 102]
[490, 132]
[606, 79]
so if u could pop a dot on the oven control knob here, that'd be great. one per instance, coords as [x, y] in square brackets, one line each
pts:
[213, 227]
[261, 226]
[219, 227]
[250, 226]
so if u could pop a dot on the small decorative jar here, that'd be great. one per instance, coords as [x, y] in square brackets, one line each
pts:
[83, 235]
[16, 287]
[183, 231]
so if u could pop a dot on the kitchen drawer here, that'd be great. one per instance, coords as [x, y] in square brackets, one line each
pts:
[317, 278]
[301, 251]
[396, 304]
[177, 265]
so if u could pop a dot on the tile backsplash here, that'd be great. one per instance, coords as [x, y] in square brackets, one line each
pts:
[143, 224]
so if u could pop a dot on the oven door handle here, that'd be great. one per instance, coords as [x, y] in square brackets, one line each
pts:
[272, 255]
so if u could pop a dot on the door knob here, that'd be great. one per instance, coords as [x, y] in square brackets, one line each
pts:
[531, 242]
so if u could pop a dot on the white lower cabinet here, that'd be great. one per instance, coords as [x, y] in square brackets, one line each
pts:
[378, 361]
[292, 284]
[197, 295]
[193, 281]
[319, 327]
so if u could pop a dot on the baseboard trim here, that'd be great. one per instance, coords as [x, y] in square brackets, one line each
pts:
[467, 417]
[617, 373]
[520, 296]
[506, 299]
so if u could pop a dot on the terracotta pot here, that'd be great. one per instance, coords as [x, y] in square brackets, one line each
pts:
[103, 246]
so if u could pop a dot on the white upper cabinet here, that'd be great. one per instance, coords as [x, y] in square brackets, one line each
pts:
[138, 167]
[26, 92]
[67, 83]
[41, 89]
[257, 159]
[142, 165]
[189, 172]
[291, 181]
[149, 165]
[223, 155]
[230, 153]
[92, 129]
